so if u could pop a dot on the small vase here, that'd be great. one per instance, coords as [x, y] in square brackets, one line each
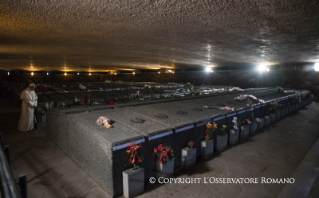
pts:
[188, 157]
[272, 118]
[260, 124]
[266, 121]
[207, 148]
[222, 142]
[165, 170]
[278, 115]
[233, 136]
[244, 131]
[253, 127]
[133, 182]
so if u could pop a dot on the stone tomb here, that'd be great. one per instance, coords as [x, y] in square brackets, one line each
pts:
[155, 133]
[99, 151]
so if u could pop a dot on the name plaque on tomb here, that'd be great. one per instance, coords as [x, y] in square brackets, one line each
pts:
[218, 118]
[121, 146]
[203, 122]
[241, 111]
[160, 135]
[184, 128]
[230, 114]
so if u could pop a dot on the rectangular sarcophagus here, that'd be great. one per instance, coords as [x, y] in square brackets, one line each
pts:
[101, 151]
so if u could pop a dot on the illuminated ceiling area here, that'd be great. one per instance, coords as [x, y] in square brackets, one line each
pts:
[108, 35]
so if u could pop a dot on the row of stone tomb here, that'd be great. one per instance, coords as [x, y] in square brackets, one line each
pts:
[207, 147]
[98, 151]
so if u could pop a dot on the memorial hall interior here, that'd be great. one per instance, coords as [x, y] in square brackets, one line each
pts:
[229, 88]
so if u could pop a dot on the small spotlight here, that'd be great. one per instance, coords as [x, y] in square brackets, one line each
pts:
[90, 74]
[78, 73]
[317, 67]
[159, 72]
[133, 73]
[32, 73]
[267, 69]
[261, 68]
[208, 70]
[115, 74]
[65, 74]
[8, 73]
[47, 73]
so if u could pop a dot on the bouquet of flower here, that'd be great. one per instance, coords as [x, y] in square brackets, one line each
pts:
[210, 130]
[227, 108]
[236, 123]
[222, 130]
[251, 109]
[246, 121]
[163, 153]
[273, 108]
[280, 89]
[190, 144]
[134, 158]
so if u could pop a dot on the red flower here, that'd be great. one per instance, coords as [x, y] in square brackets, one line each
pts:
[206, 137]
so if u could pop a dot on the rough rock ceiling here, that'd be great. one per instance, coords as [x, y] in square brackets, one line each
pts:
[101, 35]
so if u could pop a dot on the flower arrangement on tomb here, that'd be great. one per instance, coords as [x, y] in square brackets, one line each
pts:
[251, 109]
[210, 130]
[163, 153]
[134, 158]
[190, 144]
[246, 122]
[280, 89]
[222, 130]
[236, 123]
[104, 121]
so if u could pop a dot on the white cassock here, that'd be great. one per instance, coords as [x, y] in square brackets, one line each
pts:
[29, 100]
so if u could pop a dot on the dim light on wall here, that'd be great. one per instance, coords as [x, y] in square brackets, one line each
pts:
[32, 73]
[65, 74]
[90, 74]
[159, 72]
[78, 73]
[47, 73]
[133, 73]
[316, 66]
[8, 73]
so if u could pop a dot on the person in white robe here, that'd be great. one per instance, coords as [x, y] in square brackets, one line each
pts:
[29, 103]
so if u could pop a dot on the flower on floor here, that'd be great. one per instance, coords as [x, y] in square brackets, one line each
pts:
[134, 158]
[190, 144]
[210, 130]
[163, 153]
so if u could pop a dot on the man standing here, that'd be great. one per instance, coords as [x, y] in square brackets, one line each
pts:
[29, 103]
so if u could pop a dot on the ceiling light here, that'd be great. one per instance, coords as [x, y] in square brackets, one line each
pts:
[208, 70]
[261, 68]
[317, 67]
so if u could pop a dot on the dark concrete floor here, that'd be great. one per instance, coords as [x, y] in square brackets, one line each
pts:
[275, 152]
